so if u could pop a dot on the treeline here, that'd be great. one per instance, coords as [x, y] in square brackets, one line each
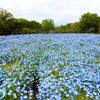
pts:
[88, 23]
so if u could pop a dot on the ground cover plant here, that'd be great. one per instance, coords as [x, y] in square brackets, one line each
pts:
[50, 67]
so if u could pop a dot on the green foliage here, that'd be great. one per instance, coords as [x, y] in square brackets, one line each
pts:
[48, 25]
[55, 73]
[99, 27]
[2, 25]
[82, 95]
[64, 28]
[6, 19]
[75, 27]
[35, 25]
[5, 16]
[19, 24]
[91, 30]
[26, 30]
[24, 26]
[88, 21]
[68, 28]
[61, 29]
[98, 60]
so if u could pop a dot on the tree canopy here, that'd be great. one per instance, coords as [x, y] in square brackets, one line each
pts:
[75, 27]
[47, 25]
[88, 21]
[6, 21]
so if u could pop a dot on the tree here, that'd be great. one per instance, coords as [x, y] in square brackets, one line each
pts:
[91, 30]
[26, 30]
[88, 21]
[35, 25]
[1, 26]
[68, 28]
[6, 19]
[75, 27]
[19, 24]
[61, 29]
[99, 28]
[48, 25]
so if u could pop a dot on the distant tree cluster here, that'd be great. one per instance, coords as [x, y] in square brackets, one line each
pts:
[11, 25]
[88, 23]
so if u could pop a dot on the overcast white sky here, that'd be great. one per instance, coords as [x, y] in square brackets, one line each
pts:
[62, 11]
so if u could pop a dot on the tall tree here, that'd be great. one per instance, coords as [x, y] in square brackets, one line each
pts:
[6, 21]
[35, 25]
[75, 27]
[48, 25]
[88, 21]
[19, 24]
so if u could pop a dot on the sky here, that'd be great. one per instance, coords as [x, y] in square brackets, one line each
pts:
[61, 11]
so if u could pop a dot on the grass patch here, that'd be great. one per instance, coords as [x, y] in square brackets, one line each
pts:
[98, 60]
[9, 66]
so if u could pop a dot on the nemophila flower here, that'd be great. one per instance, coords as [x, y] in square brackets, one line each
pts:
[25, 97]
[79, 68]
[14, 94]
[10, 92]
[4, 93]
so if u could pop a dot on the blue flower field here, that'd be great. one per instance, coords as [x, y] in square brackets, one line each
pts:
[50, 67]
